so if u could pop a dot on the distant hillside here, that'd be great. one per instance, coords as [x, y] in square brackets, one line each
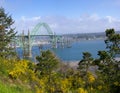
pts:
[87, 36]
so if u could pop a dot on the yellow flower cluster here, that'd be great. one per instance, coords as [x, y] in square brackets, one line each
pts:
[116, 83]
[65, 85]
[20, 67]
[91, 78]
[82, 90]
[99, 87]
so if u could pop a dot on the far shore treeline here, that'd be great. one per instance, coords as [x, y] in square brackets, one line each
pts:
[50, 75]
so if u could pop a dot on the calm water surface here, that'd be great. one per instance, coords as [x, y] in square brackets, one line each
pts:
[74, 53]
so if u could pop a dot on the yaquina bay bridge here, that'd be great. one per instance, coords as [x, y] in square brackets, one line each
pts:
[26, 42]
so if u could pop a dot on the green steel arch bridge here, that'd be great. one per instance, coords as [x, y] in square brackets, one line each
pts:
[26, 42]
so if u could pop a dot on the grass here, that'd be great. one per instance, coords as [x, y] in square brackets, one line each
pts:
[7, 88]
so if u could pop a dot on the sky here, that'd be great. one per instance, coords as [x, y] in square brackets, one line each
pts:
[64, 16]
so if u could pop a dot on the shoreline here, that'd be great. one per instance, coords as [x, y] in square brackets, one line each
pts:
[72, 64]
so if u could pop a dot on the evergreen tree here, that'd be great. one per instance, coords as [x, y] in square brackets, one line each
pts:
[6, 34]
[47, 62]
[108, 67]
[113, 42]
[85, 63]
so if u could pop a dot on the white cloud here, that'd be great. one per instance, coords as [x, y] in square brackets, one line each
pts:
[110, 19]
[62, 25]
[30, 19]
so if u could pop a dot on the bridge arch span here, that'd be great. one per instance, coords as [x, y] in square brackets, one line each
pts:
[37, 29]
[38, 26]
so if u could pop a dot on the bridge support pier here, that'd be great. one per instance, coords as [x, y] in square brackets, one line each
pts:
[29, 46]
[26, 43]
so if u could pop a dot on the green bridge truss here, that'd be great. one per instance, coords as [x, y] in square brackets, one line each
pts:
[53, 37]
[26, 41]
[36, 31]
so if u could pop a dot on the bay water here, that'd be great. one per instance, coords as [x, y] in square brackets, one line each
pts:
[73, 53]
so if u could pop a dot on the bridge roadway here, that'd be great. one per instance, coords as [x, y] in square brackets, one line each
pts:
[38, 35]
[36, 43]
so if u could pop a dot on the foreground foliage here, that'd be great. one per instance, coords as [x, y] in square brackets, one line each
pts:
[21, 75]
[7, 88]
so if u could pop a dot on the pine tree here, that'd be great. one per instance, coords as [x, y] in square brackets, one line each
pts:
[6, 34]
[85, 63]
[108, 67]
[113, 42]
[47, 62]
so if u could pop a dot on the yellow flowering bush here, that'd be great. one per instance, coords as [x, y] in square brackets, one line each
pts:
[91, 78]
[6, 65]
[116, 83]
[99, 87]
[65, 85]
[20, 68]
[82, 90]
[39, 90]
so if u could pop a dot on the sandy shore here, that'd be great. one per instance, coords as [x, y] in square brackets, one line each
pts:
[118, 58]
[73, 64]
